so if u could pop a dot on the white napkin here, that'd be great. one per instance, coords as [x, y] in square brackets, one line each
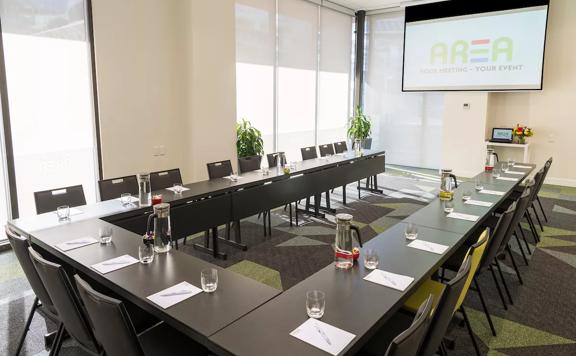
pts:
[478, 203]
[323, 336]
[523, 167]
[174, 295]
[516, 173]
[461, 216]
[428, 246]
[388, 279]
[510, 179]
[182, 189]
[76, 243]
[132, 199]
[115, 264]
[491, 192]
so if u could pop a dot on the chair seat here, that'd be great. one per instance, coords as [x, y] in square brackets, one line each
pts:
[379, 342]
[427, 288]
[165, 340]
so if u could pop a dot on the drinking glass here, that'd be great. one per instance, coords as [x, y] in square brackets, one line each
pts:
[370, 258]
[448, 206]
[504, 167]
[467, 195]
[209, 279]
[146, 253]
[411, 231]
[126, 199]
[105, 234]
[315, 303]
[63, 212]
[177, 188]
[496, 173]
[511, 163]
[479, 186]
[233, 177]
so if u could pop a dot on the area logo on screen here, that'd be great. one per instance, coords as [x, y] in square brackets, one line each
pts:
[482, 50]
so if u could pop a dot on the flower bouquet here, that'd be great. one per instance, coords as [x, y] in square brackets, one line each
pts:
[521, 132]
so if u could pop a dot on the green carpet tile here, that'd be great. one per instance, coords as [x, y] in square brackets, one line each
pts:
[541, 322]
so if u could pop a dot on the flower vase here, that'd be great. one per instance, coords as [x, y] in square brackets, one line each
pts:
[521, 140]
[358, 146]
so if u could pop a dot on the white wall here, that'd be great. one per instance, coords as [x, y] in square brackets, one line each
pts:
[166, 77]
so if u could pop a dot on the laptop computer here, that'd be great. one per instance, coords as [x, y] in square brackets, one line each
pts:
[502, 135]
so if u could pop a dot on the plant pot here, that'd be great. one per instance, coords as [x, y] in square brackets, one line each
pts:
[358, 144]
[520, 140]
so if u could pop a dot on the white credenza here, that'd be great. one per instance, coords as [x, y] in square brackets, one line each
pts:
[525, 147]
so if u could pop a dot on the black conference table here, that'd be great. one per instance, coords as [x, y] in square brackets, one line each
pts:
[352, 304]
[204, 204]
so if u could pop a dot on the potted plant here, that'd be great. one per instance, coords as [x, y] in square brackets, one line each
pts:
[248, 140]
[360, 128]
[521, 132]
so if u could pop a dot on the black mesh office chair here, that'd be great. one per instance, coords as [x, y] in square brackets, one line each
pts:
[165, 179]
[219, 169]
[115, 187]
[114, 330]
[42, 303]
[50, 200]
[249, 164]
[273, 159]
[70, 311]
[326, 150]
[340, 147]
[308, 153]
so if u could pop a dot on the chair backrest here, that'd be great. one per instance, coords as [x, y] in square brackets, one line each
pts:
[476, 252]
[165, 179]
[340, 147]
[219, 169]
[112, 325]
[50, 200]
[538, 181]
[309, 153]
[367, 143]
[521, 206]
[273, 159]
[66, 302]
[249, 164]
[445, 309]
[498, 235]
[115, 187]
[409, 341]
[20, 247]
[326, 150]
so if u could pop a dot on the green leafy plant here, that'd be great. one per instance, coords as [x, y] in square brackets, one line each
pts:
[248, 140]
[360, 125]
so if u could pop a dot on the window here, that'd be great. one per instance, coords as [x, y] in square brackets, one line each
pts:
[293, 76]
[407, 125]
[49, 88]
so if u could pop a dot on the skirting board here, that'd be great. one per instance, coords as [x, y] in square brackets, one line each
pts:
[561, 181]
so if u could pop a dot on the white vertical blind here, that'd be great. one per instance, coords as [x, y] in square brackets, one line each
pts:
[255, 59]
[407, 125]
[297, 66]
[334, 78]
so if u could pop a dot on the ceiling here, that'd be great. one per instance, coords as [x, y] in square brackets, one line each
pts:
[371, 4]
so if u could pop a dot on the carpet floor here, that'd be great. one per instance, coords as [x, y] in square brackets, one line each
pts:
[541, 321]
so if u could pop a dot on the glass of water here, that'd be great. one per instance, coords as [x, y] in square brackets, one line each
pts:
[105, 234]
[496, 173]
[234, 177]
[504, 167]
[370, 258]
[315, 303]
[146, 253]
[411, 231]
[209, 279]
[63, 212]
[511, 163]
[448, 206]
[177, 188]
[466, 195]
[126, 199]
[479, 186]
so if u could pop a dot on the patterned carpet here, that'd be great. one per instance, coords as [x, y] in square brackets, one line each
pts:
[541, 321]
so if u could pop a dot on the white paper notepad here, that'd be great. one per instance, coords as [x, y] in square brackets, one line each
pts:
[478, 203]
[462, 216]
[522, 167]
[182, 189]
[428, 246]
[491, 192]
[115, 264]
[323, 336]
[509, 179]
[175, 294]
[76, 243]
[515, 173]
[388, 279]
